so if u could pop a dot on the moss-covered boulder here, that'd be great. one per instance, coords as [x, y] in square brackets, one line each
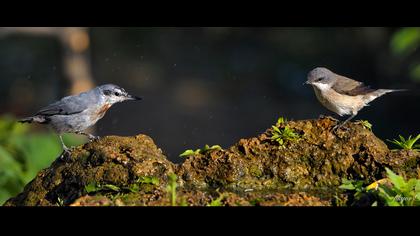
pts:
[110, 163]
[303, 171]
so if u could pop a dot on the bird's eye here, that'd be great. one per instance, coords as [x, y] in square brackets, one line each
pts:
[117, 94]
[319, 79]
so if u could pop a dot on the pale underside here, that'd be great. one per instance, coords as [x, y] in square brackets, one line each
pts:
[338, 103]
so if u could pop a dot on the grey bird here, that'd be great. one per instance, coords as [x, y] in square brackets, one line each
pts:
[74, 114]
[342, 95]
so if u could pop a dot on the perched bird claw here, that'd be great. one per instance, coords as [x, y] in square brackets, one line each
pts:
[93, 138]
[65, 154]
[338, 127]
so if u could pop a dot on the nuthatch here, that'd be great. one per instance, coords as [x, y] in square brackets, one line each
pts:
[74, 114]
[340, 94]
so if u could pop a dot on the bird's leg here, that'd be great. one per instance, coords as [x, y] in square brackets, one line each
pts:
[344, 122]
[66, 150]
[90, 136]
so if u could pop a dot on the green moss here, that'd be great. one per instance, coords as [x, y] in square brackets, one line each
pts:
[255, 171]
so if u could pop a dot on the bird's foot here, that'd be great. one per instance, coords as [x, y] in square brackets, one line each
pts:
[66, 153]
[338, 127]
[93, 138]
[89, 136]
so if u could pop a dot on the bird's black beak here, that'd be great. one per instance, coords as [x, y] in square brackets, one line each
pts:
[136, 98]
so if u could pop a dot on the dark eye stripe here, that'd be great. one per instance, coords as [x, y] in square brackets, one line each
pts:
[107, 92]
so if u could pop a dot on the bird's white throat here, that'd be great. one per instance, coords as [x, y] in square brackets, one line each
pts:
[321, 86]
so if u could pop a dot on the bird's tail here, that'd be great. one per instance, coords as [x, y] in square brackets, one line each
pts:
[31, 119]
[377, 93]
[26, 120]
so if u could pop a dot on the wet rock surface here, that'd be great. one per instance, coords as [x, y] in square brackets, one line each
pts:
[120, 171]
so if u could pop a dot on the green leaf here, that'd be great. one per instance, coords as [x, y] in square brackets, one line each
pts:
[91, 187]
[171, 187]
[216, 202]
[417, 188]
[276, 129]
[405, 144]
[280, 121]
[186, 153]
[111, 187]
[148, 180]
[134, 188]
[396, 180]
[347, 184]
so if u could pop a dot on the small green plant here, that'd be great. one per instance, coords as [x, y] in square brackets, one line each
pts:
[390, 191]
[94, 187]
[281, 135]
[408, 143]
[206, 148]
[218, 200]
[171, 188]
[280, 121]
[91, 187]
[134, 188]
[366, 124]
[354, 185]
[60, 201]
[401, 193]
[361, 195]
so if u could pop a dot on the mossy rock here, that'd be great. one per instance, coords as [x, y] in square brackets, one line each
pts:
[254, 171]
[115, 161]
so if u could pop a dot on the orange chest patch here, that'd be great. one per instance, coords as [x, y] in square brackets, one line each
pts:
[103, 109]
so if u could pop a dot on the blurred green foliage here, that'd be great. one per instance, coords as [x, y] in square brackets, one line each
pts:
[24, 152]
[405, 42]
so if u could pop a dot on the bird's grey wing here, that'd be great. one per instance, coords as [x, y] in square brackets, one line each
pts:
[350, 87]
[66, 106]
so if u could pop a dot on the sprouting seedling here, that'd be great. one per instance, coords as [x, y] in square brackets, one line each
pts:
[284, 134]
[218, 201]
[406, 144]
[171, 188]
[366, 124]
[136, 186]
[206, 148]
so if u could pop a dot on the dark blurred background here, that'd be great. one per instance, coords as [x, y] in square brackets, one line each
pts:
[209, 85]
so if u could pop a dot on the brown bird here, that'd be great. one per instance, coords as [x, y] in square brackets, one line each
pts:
[342, 95]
